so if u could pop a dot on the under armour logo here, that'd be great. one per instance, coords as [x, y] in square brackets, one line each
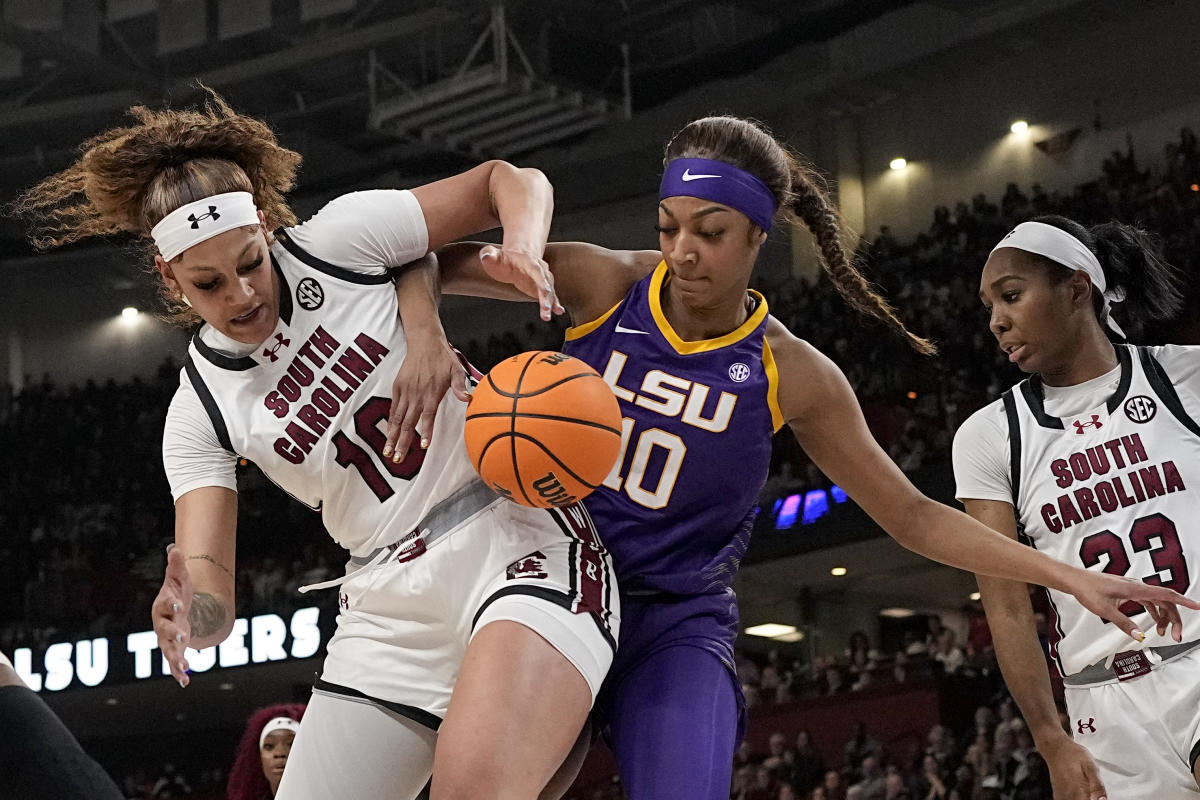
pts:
[343, 601]
[1081, 426]
[273, 349]
[1091, 728]
[212, 212]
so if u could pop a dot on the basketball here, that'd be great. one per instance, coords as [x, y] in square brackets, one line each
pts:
[543, 429]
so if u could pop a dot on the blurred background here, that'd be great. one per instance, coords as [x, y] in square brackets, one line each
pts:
[939, 125]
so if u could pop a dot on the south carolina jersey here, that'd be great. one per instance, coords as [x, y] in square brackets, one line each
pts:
[678, 507]
[1112, 487]
[309, 405]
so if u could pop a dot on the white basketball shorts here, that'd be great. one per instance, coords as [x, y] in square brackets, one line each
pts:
[1143, 733]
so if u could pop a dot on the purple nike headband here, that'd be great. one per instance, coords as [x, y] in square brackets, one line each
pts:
[722, 183]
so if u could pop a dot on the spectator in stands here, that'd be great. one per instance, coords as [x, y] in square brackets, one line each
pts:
[948, 653]
[872, 783]
[263, 751]
[832, 787]
[860, 746]
[807, 764]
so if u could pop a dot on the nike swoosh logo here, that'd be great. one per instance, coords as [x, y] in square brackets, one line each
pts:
[688, 176]
[622, 329]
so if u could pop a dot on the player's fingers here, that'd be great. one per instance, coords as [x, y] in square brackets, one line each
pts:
[1095, 786]
[1127, 625]
[1162, 594]
[407, 428]
[459, 383]
[1157, 613]
[425, 426]
[176, 570]
[395, 419]
[1173, 620]
[173, 640]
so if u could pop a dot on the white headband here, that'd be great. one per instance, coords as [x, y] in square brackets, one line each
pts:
[1063, 248]
[203, 219]
[277, 724]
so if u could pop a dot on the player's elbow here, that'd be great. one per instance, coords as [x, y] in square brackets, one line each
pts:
[911, 523]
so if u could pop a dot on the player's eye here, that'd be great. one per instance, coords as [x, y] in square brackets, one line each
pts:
[251, 266]
[207, 286]
[665, 230]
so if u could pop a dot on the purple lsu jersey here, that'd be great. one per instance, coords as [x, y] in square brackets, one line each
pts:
[697, 419]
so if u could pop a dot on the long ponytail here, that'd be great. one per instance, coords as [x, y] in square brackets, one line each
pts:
[1132, 262]
[802, 197]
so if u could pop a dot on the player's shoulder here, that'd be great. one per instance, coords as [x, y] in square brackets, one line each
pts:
[1175, 358]
[591, 279]
[986, 423]
[808, 379]
[791, 353]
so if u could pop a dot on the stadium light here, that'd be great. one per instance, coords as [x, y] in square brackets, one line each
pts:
[770, 630]
[129, 314]
[974, 595]
[898, 163]
[837, 572]
[897, 613]
[1019, 127]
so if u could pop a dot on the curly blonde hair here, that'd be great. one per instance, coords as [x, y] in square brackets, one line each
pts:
[128, 178]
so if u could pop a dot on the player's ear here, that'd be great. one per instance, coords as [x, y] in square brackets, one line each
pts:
[1081, 289]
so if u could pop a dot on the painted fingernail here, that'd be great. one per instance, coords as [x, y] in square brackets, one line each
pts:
[387, 450]
[172, 544]
[182, 683]
[1137, 634]
[396, 459]
[424, 443]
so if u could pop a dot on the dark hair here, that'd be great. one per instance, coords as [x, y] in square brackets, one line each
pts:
[129, 178]
[802, 196]
[1132, 260]
[246, 778]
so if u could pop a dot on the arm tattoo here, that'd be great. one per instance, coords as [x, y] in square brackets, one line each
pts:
[213, 561]
[206, 616]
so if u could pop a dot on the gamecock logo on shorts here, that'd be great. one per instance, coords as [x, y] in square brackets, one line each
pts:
[531, 566]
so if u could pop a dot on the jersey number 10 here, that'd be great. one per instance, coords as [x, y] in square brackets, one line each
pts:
[351, 454]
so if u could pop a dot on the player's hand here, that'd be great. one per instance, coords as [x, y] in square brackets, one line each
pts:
[169, 614]
[527, 271]
[1103, 595]
[430, 367]
[1073, 773]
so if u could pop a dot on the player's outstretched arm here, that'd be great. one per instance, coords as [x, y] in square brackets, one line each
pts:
[593, 279]
[195, 606]
[823, 413]
[1010, 617]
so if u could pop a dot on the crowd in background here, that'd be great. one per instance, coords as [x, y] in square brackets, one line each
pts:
[86, 512]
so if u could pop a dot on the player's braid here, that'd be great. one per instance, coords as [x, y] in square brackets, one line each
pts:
[815, 209]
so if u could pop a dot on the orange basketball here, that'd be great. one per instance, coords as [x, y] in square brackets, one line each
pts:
[543, 429]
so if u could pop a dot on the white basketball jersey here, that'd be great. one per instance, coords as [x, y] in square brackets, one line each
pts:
[310, 405]
[1112, 489]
